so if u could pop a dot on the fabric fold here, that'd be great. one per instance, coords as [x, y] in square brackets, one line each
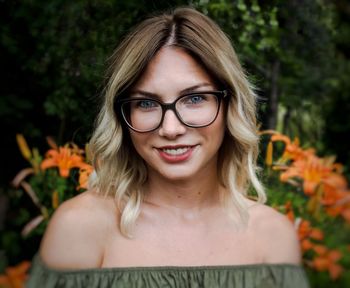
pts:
[237, 276]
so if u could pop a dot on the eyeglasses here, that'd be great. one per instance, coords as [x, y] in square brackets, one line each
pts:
[196, 110]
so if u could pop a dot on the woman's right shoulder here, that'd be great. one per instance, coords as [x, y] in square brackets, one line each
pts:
[77, 232]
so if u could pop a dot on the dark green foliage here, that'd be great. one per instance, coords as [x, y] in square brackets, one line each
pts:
[337, 110]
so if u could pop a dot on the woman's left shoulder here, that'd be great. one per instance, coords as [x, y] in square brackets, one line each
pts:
[276, 234]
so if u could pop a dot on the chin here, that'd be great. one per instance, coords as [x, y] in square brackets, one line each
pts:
[175, 173]
[175, 177]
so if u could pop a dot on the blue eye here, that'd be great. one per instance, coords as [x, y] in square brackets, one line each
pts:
[195, 99]
[146, 104]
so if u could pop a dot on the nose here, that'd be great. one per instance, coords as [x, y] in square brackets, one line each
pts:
[171, 126]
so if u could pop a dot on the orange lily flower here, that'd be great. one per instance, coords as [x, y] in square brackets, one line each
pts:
[316, 234]
[290, 172]
[346, 213]
[327, 260]
[65, 158]
[84, 174]
[305, 231]
[289, 211]
[313, 171]
[320, 249]
[336, 197]
[292, 150]
[15, 277]
[306, 245]
[331, 196]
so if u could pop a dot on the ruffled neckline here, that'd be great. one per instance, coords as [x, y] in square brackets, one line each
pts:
[41, 263]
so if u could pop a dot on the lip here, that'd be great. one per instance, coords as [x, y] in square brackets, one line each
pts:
[171, 158]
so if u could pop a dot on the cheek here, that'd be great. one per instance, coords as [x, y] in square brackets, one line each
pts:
[141, 144]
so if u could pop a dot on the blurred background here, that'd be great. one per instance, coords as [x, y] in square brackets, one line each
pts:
[54, 55]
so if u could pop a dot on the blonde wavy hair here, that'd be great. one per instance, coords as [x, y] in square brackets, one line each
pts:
[120, 171]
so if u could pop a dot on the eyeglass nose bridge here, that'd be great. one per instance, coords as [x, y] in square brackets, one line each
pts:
[172, 107]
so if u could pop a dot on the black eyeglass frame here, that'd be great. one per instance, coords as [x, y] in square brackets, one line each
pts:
[220, 94]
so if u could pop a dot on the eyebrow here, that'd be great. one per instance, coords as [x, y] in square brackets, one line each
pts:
[182, 92]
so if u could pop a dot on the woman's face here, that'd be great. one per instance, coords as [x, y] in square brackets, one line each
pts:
[175, 151]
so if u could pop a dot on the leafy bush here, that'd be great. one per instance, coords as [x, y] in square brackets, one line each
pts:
[314, 194]
[50, 180]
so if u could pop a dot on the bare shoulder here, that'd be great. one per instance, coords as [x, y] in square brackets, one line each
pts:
[275, 234]
[77, 231]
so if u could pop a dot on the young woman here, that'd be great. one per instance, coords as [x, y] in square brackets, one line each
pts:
[174, 150]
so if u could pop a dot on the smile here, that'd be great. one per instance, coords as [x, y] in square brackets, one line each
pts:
[176, 151]
[175, 154]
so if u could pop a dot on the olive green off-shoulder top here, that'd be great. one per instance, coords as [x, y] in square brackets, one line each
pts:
[238, 276]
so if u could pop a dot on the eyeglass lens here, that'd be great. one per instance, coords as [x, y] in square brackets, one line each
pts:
[194, 110]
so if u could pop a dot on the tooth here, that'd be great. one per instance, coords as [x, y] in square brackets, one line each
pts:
[177, 151]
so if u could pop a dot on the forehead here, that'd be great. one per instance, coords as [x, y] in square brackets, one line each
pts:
[171, 71]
